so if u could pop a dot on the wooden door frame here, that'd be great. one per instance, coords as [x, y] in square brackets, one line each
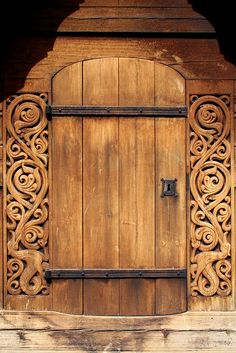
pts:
[202, 88]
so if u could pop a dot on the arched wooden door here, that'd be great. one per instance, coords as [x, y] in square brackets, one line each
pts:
[118, 246]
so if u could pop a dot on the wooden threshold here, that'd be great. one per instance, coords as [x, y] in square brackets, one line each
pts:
[56, 332]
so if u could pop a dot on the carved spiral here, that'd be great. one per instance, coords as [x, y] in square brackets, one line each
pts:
[27, 189]
[223, 270]
[210, 195]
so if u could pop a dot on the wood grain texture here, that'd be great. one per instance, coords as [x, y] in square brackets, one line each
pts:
[136, 25]
[136, 82]
[101, 235]
[169, 86]
[115, 16]
[170, 211]
[100, 183]
[137, 201]
[118, 3]
[137, 193]
[67, 210]
[67, 85]
[56, 332]
[120, 158]
[126, 11]
[100, 82]
[102, 297]
[189, 321]
[194, 59]
[137, 212]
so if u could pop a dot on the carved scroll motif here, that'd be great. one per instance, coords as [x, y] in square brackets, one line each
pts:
[210, 185]
[27, 194]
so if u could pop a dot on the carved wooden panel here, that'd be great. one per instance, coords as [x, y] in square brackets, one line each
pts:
[210, 185]
[27, 194]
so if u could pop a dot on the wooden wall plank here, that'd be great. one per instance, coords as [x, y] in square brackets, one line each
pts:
[66, 236]
[169, 87]
[136, 82]
[67, 85]
[137, 193]
[129, 341]
[137, 212]
[126, 25]
[100, 82]
[50, 320]
[115, 12]
[100, 183]
[137, 201]
[128, 3]
[171, 211]
[153, 3]
[101, 237]
[194, 59]
[120, 16]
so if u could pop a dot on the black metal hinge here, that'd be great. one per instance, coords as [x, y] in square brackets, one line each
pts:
[114, 273]
[113, 111]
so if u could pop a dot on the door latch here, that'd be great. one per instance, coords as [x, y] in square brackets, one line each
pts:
[169, 187]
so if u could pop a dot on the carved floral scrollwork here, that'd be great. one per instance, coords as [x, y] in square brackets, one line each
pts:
[210, 185]
[27, 194]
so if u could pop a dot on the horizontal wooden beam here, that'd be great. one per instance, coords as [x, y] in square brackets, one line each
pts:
[114, 273]
[55, 332]
[113, 111]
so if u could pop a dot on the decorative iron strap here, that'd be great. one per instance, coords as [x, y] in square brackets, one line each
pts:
[112, 111]
[114, 273]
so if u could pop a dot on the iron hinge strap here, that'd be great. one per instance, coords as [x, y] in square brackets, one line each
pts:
[114, 273]
[113, 111]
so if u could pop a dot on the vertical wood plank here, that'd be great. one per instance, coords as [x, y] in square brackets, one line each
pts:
[101, 297]
[100, 193]
[137, 297]
[137, 187]
[100, 82]
[169, 86]
[67, 85]
[137, 212]
[170, 296]
[170, 211]
[66, 238]
[100, 183]
[101, 237]
[136, 82]
[137, 193]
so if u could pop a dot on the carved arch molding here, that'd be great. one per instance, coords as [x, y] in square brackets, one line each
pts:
[26, 193]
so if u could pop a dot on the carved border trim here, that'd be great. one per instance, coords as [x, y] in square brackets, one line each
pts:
[27, 194]
[210, 185]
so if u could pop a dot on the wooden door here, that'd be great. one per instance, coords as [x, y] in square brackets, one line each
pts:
[107, 210]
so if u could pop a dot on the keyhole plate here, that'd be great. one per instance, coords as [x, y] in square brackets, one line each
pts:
[169, 187]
